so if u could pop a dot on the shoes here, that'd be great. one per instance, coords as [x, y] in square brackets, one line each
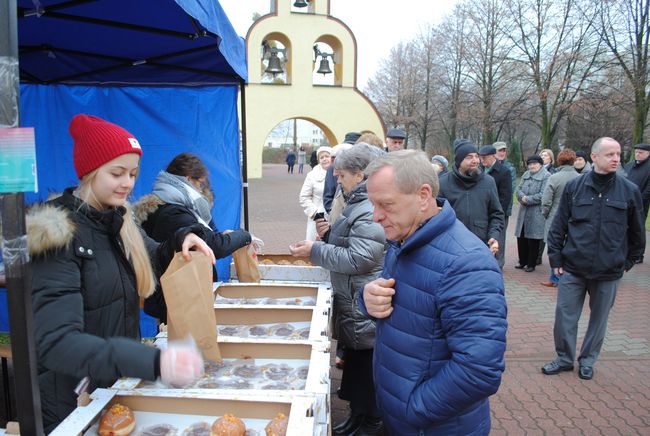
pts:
[351, 425]
[586, 372]
[339, 363]
[371, 426]
[555, 367]
[538, 262]
[549, 284]
[530, 269]
[519, 266]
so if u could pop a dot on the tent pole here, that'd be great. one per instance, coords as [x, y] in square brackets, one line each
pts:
[242, 88]
[14, 247]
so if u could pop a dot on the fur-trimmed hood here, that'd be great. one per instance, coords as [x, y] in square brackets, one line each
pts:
[145, 207]
[48, 228]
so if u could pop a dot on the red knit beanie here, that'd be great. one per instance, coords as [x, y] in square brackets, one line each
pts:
[97, 141]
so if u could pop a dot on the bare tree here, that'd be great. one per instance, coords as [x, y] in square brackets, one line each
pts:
[556, 41]
[625, 29]
[392, 87]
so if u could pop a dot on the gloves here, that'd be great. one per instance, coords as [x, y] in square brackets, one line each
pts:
[257, 244]
[180, 364]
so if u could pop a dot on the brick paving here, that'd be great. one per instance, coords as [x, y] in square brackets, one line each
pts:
[616, 401]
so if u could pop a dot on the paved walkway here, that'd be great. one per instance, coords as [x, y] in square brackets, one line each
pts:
[616, 401]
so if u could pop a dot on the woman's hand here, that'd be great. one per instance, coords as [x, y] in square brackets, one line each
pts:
[301, 249]
[322, 227]
[192, 241]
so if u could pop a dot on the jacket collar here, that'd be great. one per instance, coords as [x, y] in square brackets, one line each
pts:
[566, 169]
[539, 175]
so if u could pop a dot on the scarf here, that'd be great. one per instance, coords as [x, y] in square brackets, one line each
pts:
[178, 190]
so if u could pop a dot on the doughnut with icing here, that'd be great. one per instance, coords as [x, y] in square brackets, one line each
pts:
[228, 425]
[118, 421]
[277, 426]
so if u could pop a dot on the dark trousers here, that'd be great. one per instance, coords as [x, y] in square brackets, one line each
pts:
[571, 293]
[357, 385]
[528, 249]
[501, 254]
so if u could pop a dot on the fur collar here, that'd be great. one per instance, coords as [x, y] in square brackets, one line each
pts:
[144, 207]
[48, 228]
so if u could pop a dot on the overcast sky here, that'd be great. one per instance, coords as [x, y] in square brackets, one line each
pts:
[378, 25]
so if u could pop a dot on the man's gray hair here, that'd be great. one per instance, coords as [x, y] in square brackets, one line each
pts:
[599, 142]
[357, 158]
[412, 170]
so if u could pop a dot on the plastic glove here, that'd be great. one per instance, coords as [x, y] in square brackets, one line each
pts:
[257, 244]
[180, 364]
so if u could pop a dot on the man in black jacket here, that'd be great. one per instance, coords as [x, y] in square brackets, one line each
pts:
[638, 172]
[473, 195]
[597, 234]
[501, 175]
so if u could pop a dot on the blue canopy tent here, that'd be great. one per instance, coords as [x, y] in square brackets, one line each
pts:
[166, 70]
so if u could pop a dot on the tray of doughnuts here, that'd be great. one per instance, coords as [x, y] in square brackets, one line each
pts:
[170, 413]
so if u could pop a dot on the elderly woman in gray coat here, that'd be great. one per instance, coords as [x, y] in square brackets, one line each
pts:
[354, 254]
[530, 221]
[552, 195]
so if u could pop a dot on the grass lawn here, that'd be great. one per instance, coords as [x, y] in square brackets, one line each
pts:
[647, 223]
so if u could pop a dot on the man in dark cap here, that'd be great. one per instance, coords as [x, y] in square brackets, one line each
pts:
[501, 175]
[638, 172]
[351, 137]
[581, 164]
[395, 139]
[473, 194]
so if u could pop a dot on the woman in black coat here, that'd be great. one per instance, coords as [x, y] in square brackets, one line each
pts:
[90, 266]
[182, 197]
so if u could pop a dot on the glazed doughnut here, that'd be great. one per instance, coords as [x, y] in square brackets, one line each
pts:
[197, 429]
[231, 330]
[277, 426]
[257, 330]
[302, 372]
[300, 262]
[247, 370]
[274, 371]
[159, 430]
[118, 421]
[228, 425]
[282, 330]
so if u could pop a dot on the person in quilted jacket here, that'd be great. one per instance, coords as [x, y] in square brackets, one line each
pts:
[439, 307]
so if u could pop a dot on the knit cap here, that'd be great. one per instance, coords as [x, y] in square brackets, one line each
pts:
[96, 142]
[463, 147]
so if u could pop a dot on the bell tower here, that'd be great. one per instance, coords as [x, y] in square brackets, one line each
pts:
[288, 51]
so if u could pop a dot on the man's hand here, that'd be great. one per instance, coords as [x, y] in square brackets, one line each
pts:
[558, 271]
[301, 249]
[322, 227]
[378, 296]
[523, 200]
[494, 246]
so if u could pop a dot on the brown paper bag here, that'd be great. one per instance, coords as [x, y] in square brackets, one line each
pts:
[246, 265]
[187, 287]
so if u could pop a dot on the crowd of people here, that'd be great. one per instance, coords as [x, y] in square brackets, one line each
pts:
[429, 323]
[415, 249]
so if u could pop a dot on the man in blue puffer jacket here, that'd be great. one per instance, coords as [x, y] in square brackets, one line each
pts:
[440, 309]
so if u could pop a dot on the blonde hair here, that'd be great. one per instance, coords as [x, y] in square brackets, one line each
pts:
[132, 240]
[550, 154]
